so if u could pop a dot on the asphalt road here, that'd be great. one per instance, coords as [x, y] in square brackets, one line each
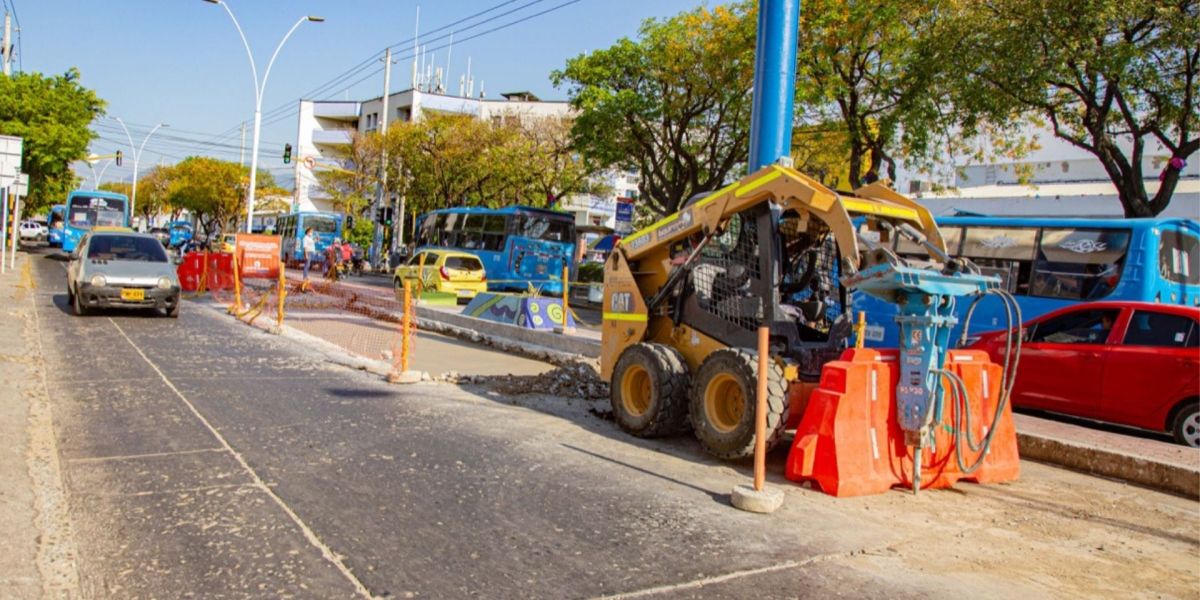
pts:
[205, 458]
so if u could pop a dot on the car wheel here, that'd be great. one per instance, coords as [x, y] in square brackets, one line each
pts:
[173, 312]
[1186, 428]
[70, 294]
[77, 303]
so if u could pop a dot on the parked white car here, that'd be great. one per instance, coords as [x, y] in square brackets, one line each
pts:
[32, 230]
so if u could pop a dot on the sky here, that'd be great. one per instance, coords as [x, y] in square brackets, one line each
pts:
[181, 62]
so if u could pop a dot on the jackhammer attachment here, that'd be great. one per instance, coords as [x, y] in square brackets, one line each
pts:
[850, 442]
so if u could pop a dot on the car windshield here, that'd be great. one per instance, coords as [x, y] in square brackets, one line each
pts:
[126, 247]
[463, 263]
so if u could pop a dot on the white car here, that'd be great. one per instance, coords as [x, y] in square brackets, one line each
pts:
[32, 230]
[114, 267]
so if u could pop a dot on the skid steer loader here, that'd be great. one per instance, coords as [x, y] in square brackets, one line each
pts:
[683, 299]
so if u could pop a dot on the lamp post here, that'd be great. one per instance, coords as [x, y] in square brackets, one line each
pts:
[259, 86]
[137, 154]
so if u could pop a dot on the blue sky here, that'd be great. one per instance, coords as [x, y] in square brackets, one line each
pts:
[181, 61]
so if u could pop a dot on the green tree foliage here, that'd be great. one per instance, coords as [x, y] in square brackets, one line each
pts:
[673, 104]
[52, 115]
[210, 189]
[455, 160]
[1108, 76]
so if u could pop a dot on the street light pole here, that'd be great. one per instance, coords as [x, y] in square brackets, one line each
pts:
[137, 154]
[259, 87]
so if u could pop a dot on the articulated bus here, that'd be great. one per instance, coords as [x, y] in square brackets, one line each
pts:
[518, 245]
[55, 222]
[291, 227]
[87, 209]
[1049, 263]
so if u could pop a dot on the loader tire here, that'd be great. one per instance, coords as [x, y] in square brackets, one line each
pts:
[649, 391]
[723, 398]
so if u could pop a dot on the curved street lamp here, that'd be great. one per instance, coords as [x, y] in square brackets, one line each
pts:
[137, 155]
[259, 87]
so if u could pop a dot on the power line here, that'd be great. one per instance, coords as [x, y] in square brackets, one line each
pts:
[292, 108]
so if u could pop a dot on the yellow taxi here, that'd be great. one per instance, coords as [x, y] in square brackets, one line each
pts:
[227, 243]
[448, 271]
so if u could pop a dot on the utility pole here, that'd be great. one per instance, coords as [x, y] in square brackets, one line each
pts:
[381, 190]
[242, 153]
[7, 45]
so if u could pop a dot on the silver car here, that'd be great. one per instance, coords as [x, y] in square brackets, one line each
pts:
[121, 268]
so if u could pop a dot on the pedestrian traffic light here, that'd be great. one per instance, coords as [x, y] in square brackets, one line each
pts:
[119, 156]
[287, 153]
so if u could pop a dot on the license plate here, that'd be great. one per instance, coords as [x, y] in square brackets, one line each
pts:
[464, 292]
[133, 295]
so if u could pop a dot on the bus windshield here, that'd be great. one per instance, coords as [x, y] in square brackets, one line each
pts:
[88, 211]
[543, 227]
[321, 224]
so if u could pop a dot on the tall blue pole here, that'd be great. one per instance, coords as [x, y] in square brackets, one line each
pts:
[774, 81]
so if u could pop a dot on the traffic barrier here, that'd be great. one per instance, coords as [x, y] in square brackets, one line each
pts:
[531, 312]
[205, 272]
[849, 442]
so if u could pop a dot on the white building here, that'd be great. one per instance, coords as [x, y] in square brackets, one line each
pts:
[325, 127]
[1062, 180]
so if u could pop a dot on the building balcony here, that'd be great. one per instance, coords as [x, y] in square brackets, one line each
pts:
[344, 111]
[332, 137]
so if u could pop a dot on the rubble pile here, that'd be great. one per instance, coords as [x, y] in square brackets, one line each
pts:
[579, 379]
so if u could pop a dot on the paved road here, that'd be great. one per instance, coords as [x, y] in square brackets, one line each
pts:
[202, 457]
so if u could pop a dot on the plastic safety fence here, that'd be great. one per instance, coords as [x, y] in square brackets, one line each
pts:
[354, 313]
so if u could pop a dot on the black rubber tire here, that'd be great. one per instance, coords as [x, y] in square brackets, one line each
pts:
[1180, 426]
[80, 309]
[742, 365]
[665, 412]
[70, 294]
[173, 312]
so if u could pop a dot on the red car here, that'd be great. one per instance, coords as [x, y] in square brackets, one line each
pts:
[1130, 363]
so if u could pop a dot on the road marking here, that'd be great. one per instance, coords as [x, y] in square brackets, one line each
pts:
[309, 534]
[192, 490]
[703, 581]
[88, 459]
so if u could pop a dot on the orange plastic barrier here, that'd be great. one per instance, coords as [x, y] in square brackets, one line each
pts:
[218, 272]
[850, 444]
[258, 256]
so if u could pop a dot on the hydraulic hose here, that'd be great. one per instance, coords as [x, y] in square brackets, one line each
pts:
[958, 389]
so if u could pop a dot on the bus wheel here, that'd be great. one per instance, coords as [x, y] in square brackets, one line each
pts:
[649, 391]
[723, 398]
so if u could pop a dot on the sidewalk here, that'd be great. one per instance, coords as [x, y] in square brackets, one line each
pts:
[18, 563]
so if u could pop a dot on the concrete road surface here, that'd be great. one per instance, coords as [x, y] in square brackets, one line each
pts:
[201, 457]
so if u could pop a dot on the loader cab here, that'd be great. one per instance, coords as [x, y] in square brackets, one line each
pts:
[789, 261]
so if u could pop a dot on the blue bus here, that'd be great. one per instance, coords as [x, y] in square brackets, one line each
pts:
[1049, 263]
[518, 245]
[181, 232]
[291, 227]
[87, 209]
[55, 222]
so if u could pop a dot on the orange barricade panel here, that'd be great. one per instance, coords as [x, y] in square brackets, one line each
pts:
[849, 442]
[258, 256]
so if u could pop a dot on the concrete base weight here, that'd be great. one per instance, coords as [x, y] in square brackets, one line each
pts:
[767, 500]
[409, 376]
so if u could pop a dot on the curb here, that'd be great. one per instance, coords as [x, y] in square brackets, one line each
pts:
[563, 344]
[1163, 476]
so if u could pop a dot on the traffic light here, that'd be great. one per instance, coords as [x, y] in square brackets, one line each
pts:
[383, 215]
[120, 155]
[287, 153]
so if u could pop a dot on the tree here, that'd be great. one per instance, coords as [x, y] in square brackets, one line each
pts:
[1105, 74]
[154, 191]
[555, 167]
[211, 189]
[675, 104]
[52, 115]
[861, 62]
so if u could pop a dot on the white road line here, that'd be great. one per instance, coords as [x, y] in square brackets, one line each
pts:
[89, 459]
[309, 534]
[703, 581]
[192, 490]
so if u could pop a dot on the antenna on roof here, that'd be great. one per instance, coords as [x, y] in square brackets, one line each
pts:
[416, 47]
[449, 53]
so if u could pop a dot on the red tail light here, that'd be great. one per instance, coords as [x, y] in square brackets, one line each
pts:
[483, 277]
[445, 274]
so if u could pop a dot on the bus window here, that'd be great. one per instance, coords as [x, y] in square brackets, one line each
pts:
[540, 227]
[1004, 252]
[495, 230]
[951, 235]
[320, 224]
[1179, 258]
[1079, 264]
